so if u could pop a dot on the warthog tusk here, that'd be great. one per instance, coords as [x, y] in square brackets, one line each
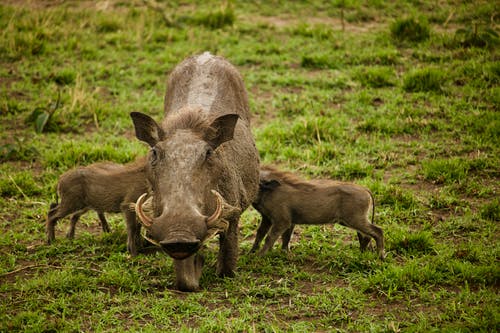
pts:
[215, 216]
[216, 223]
[145, 220]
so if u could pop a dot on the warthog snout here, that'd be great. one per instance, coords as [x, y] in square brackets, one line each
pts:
[179, 243]
[180, 248]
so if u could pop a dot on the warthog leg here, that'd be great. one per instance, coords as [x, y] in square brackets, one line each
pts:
[285, 238]
[277, 229]
[228, 250]
[74, 219]
[370, 230]
[52, 218]
[364, 241]
[378, 234]
[58, 212]
[133, 231]
[264, 226]
[104, 223]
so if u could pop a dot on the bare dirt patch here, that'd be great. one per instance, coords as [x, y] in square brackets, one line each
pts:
[43, 4]
[333, 22]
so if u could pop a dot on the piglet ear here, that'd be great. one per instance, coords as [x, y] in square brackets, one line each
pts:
[223, 128]
[269, 185]
[146, 129]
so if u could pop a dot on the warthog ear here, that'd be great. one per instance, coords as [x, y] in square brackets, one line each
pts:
[224, 130]
[268, 185]
[146, 129]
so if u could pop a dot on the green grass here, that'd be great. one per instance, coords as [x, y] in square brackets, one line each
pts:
[423, 80]
[410, 29]
[406, 106]
[376, 77]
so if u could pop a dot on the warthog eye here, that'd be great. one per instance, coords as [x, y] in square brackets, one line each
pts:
[209, 153]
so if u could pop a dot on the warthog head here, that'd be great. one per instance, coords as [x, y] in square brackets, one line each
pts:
[184, 169]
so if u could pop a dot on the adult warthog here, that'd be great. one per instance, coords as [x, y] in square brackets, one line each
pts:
[285, 200]
[202, 159]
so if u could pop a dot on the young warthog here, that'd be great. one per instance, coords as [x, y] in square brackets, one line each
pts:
[103, 187]
[285, 200]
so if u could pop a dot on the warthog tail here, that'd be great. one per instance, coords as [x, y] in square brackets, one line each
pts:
[373, 205]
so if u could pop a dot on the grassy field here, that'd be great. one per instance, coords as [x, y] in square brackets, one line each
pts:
[399, 96]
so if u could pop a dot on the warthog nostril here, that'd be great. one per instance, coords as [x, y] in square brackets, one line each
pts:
[180, 249]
